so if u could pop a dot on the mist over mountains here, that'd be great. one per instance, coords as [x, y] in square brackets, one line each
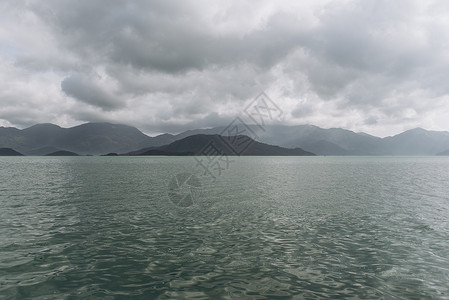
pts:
[102, 138]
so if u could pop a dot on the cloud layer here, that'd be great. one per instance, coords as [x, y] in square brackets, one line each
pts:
[167, 66]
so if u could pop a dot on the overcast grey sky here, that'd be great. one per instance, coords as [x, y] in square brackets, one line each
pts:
[167, 66]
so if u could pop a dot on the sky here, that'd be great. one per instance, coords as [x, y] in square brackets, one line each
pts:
[375, 66]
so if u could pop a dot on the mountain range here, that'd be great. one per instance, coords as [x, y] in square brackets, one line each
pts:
[89, 138]
[102, 138]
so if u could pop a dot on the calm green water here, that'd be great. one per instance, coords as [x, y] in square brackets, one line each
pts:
[275, 228]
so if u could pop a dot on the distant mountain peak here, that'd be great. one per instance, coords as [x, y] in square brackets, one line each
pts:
[415, 132]
[9, 152]
[44, 125]
[418, 129]
[105, 124]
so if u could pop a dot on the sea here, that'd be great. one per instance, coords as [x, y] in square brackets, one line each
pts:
[252, 228]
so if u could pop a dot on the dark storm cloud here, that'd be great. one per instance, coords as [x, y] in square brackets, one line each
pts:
[88, 91]
[167, 37]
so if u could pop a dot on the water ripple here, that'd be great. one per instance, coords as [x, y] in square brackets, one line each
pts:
[271, 228]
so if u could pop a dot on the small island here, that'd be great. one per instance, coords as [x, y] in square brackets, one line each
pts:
[62, 153]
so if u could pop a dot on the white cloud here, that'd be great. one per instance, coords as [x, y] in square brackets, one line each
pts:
[377, 66]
